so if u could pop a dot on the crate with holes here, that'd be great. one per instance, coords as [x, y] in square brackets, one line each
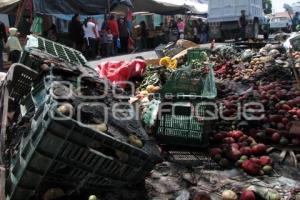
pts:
[185, 100]
[68, 127]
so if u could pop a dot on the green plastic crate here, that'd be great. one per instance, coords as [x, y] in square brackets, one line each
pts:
[197, 54]
[176, 127]
[189, 82]
[56, 50]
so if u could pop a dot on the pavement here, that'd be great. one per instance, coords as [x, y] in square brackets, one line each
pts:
[147, 55]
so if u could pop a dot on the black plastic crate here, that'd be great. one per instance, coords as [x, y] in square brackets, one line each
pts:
[69, 150]
[19, 80]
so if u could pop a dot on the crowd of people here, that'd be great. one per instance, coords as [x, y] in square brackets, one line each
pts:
[115, 35]
[111, 38]
[194, 30]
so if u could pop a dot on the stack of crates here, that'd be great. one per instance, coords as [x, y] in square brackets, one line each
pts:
[181, 119]
[63, 150]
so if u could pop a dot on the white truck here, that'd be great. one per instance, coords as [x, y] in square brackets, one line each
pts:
[223, 16]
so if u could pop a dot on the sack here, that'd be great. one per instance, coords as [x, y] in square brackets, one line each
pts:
[118, 43]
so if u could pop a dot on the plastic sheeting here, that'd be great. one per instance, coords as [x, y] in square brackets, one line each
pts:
[90, 7]
[194, 6]
[153, 6]
[8, 6]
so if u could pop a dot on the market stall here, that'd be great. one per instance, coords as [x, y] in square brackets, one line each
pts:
[252, 129]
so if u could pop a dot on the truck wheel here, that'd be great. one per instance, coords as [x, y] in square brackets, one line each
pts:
[255, 30]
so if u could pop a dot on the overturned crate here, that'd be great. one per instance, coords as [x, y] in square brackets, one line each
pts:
[77, 155]
[64, 150]
[57, 50]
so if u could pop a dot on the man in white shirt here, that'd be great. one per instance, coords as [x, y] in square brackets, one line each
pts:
[90, 35]
[97, 47]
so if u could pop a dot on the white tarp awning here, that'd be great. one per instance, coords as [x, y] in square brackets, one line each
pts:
[195, 6]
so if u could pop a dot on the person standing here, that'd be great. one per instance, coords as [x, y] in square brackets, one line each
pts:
[109, 39]
[76, 32]
[295, 21]
[129, 19]
[204, 34]
[243, 24]
[199, 30]
[97, 45]
[51, 34]
[195, 31]
[24, 28]
[3, 40]
[14, 46]
[266, 29]
[124, 35]
[173, 33]
[113, 26]
[165, 30]
[103, 37]
[144, 35]
[181, 28]
[90, 35]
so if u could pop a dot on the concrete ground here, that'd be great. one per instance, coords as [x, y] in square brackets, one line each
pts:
[147, 55]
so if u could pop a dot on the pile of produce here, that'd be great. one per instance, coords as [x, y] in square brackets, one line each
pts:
[281, 104]
[262, 78]
[237, 148]
[251, 193]
[269, 64]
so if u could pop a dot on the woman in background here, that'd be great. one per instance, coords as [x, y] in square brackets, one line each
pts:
[14, 46]
[144, 35]
[90, 35]
[76, 32]
[124, 35]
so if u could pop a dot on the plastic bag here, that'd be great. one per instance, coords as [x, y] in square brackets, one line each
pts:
[119, 71]
[150, 115]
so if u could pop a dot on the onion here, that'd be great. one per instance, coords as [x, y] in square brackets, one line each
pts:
[93, 197]
[66, 109]
[44, 67]
[229, 195]
[101, 127]
[135, 141]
